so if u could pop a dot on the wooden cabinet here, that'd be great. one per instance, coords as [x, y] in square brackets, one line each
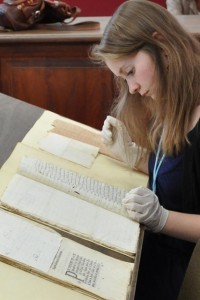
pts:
[51, 69]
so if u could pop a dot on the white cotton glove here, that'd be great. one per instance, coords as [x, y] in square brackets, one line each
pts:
[143, 206]
[115, 136]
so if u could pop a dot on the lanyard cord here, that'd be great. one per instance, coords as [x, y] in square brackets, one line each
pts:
[157, 165]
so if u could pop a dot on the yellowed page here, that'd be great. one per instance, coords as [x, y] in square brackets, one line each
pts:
[72, 264]
[70, 213]
[93, 271]
[70, 149]
[105, 169]
[52, 122]
[116, 174]
[71, 182]
[25, 242]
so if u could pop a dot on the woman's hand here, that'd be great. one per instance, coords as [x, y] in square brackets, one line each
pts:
[115, 136]
[143, 206]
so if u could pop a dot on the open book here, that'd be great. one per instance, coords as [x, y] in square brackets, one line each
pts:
[82, 203]
[48, 254]
[33, 185]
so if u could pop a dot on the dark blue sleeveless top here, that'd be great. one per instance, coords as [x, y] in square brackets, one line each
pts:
[164, 259]
[169, 189]
[169, 181]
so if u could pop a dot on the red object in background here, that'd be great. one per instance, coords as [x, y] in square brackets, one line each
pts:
[161, 2]
[96, 7]
[100, 7]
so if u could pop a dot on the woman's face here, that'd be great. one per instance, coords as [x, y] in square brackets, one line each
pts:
[138, 70]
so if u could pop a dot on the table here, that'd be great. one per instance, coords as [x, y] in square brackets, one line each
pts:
[16, 119]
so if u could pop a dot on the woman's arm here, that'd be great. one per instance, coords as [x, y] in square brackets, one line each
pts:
[183, 226]
[143, 206]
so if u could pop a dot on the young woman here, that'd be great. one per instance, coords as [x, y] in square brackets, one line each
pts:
[183, 7]
[156, 64]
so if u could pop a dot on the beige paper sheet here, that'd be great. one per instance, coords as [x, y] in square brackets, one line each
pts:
[104, 168]
[16, 284]
[51, 122]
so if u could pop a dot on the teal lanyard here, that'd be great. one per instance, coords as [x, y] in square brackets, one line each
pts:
[157, 165]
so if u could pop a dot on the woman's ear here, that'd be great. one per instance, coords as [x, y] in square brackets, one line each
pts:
[157, 36]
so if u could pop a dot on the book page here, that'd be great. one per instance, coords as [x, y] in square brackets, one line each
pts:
[52, 122]
[107, 277]
[84, 187]
[71, 213]
[85, 134]
[104, 169]
[117, 175]
[67, 148]
[26, 242]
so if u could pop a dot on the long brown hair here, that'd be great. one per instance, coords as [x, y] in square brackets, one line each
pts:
[131, 29]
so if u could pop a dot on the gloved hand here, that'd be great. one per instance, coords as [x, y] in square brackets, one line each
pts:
[115, 136]
[143, 206]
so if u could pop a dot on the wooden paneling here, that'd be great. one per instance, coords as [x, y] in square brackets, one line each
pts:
[51, 69]
[59, 77]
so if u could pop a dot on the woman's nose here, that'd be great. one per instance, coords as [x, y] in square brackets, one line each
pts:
[134, 88]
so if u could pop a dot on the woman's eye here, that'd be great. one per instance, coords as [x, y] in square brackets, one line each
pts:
[130, 72]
